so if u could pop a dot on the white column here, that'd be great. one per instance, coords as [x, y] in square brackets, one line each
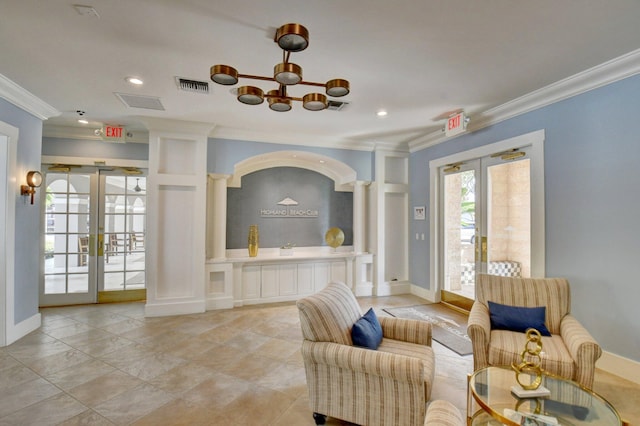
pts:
[359, 216]
[176, 217]
[217, 220]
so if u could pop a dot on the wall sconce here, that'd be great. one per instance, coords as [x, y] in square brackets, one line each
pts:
[34, 180]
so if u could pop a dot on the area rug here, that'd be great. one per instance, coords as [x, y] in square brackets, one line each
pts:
[448, 326]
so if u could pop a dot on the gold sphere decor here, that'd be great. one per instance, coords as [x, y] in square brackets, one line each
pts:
[533, 347]
[334, 237]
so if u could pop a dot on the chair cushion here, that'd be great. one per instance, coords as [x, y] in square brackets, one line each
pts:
[506, 346]
[423, 352]
[367, 332]
[517, 318]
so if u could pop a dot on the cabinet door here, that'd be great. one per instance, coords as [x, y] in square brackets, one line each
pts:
[339, 272]
[321, 275]
[305, 278]
[251, 282]
[288, 279]
[270, 280]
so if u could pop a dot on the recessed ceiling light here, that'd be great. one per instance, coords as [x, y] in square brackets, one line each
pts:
[83, 121]
[134, 80]
[381, 113]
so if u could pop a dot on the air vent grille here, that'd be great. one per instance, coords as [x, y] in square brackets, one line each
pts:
[144, 102]
[336, 105]
[192, 85]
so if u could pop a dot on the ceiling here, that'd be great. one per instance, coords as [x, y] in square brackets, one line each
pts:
[417, 60]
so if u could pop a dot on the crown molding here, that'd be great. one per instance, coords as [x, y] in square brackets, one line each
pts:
[26, 100]
[601, 75]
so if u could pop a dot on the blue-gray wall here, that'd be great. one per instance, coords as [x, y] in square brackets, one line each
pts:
[263, 189]
[28, 223]
[223, 154]
[592, 173]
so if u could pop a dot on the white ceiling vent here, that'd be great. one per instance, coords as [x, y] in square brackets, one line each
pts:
[192, 85]
[137, 101]
[336, 105]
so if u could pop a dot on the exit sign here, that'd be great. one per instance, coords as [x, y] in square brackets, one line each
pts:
[113, 134]
[455, 125]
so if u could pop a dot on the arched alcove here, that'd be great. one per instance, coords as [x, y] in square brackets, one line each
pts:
[343, 175]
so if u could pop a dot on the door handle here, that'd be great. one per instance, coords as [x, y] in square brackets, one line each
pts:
[92, 245]
[483, 249]
[100, 244]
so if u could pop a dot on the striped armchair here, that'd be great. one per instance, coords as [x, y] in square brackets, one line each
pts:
[387, 386]
[569, 352]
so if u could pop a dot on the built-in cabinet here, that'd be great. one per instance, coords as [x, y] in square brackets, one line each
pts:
[261, 283]
[246, 281]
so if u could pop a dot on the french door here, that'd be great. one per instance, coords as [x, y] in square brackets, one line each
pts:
[485, 221]
[94, 236]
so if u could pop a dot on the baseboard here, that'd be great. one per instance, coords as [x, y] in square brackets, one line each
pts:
[220, 303]
[364, 290]
[174, 308]
[423, 293]
[23, 328]
[392, 288]
[617, 365]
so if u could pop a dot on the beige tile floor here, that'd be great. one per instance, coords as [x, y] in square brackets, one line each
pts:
[108, 364]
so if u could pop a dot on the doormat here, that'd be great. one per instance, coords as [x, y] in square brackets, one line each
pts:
[448, 327]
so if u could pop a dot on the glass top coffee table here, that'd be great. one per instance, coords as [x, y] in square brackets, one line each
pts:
[568, 402]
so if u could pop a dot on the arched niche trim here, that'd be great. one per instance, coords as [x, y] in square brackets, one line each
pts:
[343, 175]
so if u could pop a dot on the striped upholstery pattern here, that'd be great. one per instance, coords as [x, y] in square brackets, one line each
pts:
[388, 386]
[570, 352]
[443, 413]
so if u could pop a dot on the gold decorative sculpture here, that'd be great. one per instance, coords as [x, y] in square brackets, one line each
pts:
[334, 237]
[533, 347]
[253, 240]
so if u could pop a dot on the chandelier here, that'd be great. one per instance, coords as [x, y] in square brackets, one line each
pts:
[290, 38]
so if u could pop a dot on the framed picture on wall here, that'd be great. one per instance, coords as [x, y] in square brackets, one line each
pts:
[419, 213]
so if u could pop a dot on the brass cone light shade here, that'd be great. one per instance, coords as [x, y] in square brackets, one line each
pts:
[290, 38]
[337, 87]
[314, 101]
[250, 95]
[225, 75]
[287, 73]
[277, 102]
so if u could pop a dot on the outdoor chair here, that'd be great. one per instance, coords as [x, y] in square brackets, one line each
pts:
[387, 386]
[569, 351]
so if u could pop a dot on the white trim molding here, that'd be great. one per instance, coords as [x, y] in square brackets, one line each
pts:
[609, 72]
[26, 100]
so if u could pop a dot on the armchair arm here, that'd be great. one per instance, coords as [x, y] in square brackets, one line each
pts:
[583, 348]
[406, 330]
[383, 364]
[479, 330]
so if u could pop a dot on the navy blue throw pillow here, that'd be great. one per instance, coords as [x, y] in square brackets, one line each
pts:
[517, 318]
[367, 331]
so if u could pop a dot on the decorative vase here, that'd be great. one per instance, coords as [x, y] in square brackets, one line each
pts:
[253, 240]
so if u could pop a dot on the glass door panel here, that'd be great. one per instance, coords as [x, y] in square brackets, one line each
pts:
[123, 223]
[508, 218]
[459, 232]
[67, 265]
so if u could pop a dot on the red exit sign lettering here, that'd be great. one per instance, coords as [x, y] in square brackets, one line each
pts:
[455, 124]
[113, 134]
